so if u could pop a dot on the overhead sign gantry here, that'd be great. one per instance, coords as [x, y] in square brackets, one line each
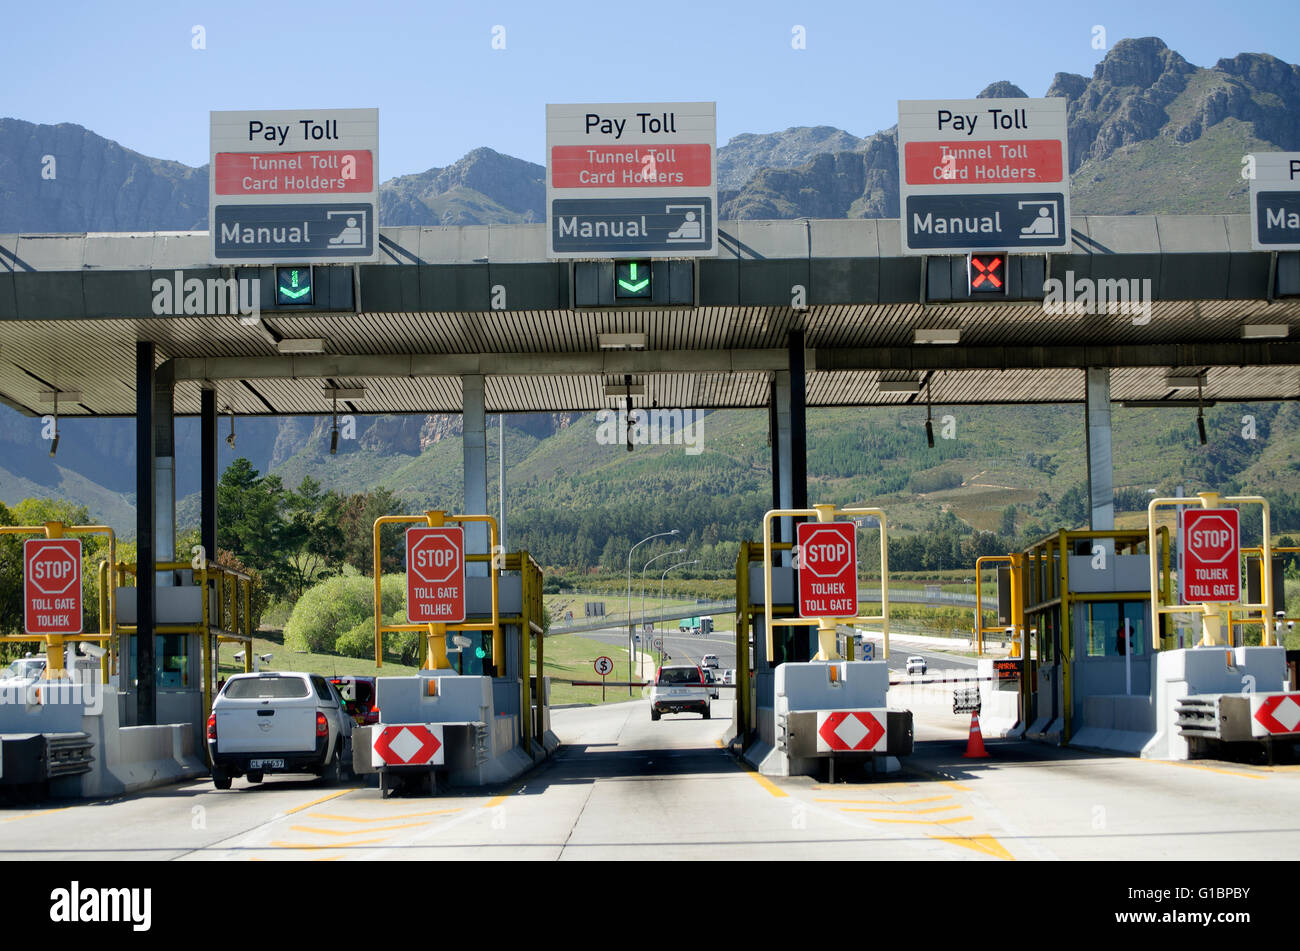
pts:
[631, 179]
[983, 175]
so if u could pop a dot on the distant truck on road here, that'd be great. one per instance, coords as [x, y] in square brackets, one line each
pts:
[696, 625]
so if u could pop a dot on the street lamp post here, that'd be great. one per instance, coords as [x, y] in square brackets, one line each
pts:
[667, 554]
[679, 564]
[630, 622]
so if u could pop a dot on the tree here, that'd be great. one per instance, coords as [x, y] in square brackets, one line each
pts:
[1008, 526]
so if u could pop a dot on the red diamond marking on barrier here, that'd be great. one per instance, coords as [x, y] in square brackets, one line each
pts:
[1279, 714]
[851, 731]
[406, 745]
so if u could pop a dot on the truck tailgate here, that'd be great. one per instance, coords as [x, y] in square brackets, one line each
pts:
[253, 726]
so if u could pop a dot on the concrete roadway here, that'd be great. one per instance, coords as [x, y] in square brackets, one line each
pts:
[624, 787]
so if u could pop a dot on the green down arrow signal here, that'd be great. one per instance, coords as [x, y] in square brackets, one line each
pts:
[638, 285]
[294, 283]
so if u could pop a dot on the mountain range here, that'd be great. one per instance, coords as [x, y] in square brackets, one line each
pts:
[1148, 133]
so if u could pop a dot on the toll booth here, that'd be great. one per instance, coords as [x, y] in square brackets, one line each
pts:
[1114, 658]
[481, 695]
[794, 689]
[197, 609]
[1085, 638]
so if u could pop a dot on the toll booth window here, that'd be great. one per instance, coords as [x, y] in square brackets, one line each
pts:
[476, 659]
[1047, 638]
[1106, 625]
[171, 660]
[792, 645]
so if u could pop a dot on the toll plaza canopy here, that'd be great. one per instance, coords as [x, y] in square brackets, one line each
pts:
[449, 302]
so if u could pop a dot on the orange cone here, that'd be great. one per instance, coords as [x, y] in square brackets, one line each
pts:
[975, 745]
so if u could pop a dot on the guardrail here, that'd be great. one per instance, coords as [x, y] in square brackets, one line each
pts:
[704, 609]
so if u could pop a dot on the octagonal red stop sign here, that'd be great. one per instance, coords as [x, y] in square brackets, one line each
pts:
[435, 575]
[1211, 563]
[52, 586]
[828, 569]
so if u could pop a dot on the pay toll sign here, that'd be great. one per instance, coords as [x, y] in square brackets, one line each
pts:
[435, 575]
[828, 569]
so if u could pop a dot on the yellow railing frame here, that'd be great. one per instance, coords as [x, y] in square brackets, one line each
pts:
[826, 627]
[436, 633]
[1213, 614]
[54, 642]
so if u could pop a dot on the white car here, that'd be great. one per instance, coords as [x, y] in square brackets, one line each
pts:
[278, 722]
[916, 665]
[680, 688]
[710, 660]
[24, 670]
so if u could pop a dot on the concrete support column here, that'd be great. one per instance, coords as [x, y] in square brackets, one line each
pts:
[209, 475]
[146, 599]
[1101, 487]
[474, 447]
[164, 447]
[798, 423]
[782, 488]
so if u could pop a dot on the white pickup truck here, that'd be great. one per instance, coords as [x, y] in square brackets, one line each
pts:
[278, 722]
[679, 689]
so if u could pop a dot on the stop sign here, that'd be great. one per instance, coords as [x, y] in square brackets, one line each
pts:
[1211, 560]
[828, 569]
[435, 575]
[52, 586]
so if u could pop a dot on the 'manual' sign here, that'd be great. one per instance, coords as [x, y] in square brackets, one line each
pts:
[828, 569]
[1211, 563]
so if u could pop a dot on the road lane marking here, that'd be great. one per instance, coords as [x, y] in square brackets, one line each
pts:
[978, 843]
[495, 801]
[885, 802]
[767, 784]
[317, 802]
[1208, 769]
[43, 812]
[924, 822]
[280, 844]
[908, 812]
[313, 830]
[407, 815]
[958, 786]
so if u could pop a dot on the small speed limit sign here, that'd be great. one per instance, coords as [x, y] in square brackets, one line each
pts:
[604, 666]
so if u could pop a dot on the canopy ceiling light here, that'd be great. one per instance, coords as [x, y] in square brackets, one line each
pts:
[622, 341]
[929, 424]
[899, 386]
[1183, 381]
[937, 335]
[345, 393]
[621, 390]
[1256, 331]
[301, 345]
[230, 440]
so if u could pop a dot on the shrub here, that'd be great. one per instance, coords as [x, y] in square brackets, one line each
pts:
[334, 609]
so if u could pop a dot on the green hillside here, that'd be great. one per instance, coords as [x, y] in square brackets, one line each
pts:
[574, 502]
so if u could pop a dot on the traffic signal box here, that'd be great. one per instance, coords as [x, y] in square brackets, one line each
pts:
[634, 283]
[989, 275]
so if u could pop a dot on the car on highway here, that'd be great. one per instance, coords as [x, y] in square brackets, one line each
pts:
[712, 680]
[728, 676]
[710, 660]
[278, 722]
[916, 665]
[679, 688]
[24, 670]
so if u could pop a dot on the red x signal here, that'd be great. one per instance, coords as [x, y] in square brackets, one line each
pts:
[986, 272]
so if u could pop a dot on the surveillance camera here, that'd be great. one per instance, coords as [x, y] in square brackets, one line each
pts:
[230, 440]
[239, 655]
[91, 650]
[265, 658]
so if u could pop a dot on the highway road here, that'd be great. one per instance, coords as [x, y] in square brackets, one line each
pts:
[622, 786]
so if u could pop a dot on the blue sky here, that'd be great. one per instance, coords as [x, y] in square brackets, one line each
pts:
[129, 71]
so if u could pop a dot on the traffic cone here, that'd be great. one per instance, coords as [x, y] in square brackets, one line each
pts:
[975, 745]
